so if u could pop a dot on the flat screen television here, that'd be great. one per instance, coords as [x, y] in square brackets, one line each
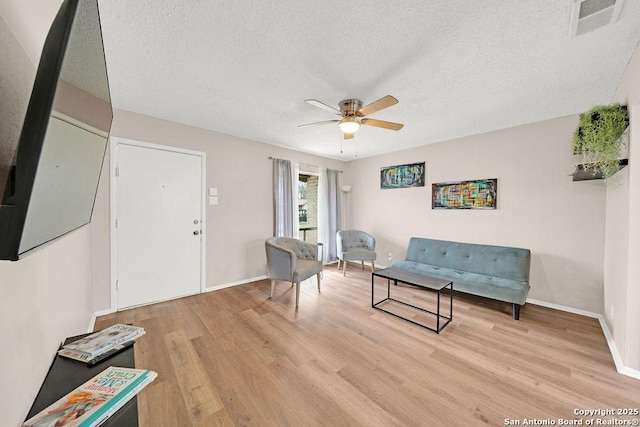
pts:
[50, 167]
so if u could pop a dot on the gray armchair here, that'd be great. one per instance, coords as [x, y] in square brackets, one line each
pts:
[292, 260]
[355, 245]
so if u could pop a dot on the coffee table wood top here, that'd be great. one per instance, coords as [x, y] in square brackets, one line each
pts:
[416, 279]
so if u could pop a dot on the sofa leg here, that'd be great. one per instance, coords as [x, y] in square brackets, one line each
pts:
[516, 311]
[318, 276]
[344, 268]
[297, 294]
[362, 264]
[338, 264]
[373, 267]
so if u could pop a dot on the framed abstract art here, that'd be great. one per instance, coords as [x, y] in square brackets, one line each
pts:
[402, 176]
[476, 194]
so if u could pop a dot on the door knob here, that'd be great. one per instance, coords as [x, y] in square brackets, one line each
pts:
[195, 233]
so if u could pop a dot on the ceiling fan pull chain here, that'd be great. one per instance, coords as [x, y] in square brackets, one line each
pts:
[356, 138]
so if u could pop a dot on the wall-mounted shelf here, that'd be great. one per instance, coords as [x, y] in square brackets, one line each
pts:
[581, 175]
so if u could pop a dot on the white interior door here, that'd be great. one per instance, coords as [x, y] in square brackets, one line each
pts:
[159, 196]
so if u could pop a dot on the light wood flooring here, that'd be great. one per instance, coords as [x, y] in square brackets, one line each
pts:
[233, 357]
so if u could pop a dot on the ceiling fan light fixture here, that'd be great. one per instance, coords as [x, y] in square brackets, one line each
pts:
[349, 125]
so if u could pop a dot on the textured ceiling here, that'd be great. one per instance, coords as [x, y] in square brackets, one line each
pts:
[84, 62]
[457, 67]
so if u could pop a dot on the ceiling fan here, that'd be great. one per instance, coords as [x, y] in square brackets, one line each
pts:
[353, 115]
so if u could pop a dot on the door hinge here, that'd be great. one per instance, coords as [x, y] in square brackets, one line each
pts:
[117, 171]
[116, 222]
[117, 282]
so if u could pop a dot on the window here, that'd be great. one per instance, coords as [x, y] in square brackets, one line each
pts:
[308, 207]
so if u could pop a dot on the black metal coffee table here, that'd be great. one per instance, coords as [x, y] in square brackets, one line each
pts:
[420, 281]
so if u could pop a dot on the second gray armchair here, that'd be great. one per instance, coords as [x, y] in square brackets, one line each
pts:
[292, 260]
[355, 245]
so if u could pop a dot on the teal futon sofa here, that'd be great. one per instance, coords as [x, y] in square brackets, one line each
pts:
[497, 272]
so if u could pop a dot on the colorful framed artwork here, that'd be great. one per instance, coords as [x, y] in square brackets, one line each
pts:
[402, 176]
[476, 194]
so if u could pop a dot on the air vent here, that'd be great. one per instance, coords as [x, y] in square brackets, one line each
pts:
[588, 15]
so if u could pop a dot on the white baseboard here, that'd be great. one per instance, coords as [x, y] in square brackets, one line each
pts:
[617, 358]
[95, 315]
[229, 285]
[564, 308]
[633, 373]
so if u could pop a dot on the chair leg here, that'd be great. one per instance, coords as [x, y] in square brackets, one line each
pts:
[344, 268]
[373, 266]
[297, 293]
[273, 286]
[362, 264]
[318, 275]
[338, 264]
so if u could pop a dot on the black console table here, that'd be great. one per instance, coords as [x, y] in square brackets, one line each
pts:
[66, 374]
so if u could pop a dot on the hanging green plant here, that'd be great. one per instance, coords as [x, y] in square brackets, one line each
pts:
[597, 138]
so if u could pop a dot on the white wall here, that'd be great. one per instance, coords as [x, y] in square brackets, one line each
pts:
[539, 207]
[45, 298]
[30, 20]
[622, 249]
[238, 226]
[616, 255]
[631, 352]
[48, 295]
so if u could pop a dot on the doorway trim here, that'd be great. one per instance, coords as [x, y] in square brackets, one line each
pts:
[113, 253]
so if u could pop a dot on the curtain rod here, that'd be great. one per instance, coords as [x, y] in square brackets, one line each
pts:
[306, 164]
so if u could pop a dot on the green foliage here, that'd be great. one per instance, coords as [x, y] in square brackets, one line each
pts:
[597, 138]
[302, 190]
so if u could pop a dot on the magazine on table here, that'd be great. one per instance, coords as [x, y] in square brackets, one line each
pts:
[101, 341]
[93, 360]
[96, 400]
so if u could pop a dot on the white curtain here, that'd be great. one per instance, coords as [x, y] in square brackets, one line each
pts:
[295, 173]
[285, 198]
[329, 212]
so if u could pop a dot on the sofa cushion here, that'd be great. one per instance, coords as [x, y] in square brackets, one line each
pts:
[483, 285]
[306, 268]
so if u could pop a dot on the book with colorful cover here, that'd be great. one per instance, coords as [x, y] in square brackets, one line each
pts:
[96, 400]
[101, 341]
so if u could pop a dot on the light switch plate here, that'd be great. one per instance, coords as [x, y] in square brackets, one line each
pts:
[213, 191]
[213, 200]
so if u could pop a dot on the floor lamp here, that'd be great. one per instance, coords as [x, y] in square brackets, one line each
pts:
[345, 189]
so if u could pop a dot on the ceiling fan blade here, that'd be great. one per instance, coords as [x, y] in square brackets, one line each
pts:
[381, 124]
[384, 102]
[326, 122]
[324, 106]
[348, 135]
